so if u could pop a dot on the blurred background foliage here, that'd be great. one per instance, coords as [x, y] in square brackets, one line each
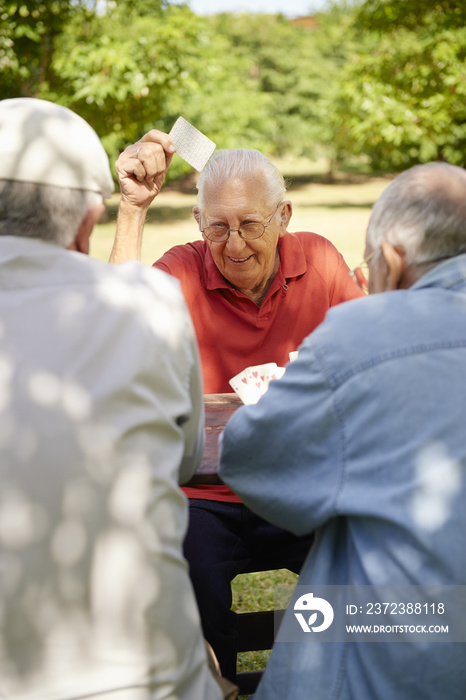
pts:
[379, 84]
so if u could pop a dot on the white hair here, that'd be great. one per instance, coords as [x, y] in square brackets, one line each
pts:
[422, 211]
[242, 163]
[43, 211]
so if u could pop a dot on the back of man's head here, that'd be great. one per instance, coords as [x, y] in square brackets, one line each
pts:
[423, 211]
[53, 170]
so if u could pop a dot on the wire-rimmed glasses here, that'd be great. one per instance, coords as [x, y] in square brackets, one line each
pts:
[248, 230]
[363, 268]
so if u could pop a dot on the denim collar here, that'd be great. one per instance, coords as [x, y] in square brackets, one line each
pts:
[447, 274]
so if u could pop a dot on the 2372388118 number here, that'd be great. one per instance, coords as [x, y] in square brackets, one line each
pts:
[405, 608]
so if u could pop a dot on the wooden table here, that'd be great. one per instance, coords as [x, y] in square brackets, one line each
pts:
[218, 409]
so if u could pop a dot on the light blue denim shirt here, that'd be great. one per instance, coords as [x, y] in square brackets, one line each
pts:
[365, 438]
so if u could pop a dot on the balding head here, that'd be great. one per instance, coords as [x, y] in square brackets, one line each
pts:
[423, 212]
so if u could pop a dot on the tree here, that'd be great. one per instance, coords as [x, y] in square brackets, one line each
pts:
[114, 63]
[291, 71]
[28, 30]
[403, 94]
[118, 68]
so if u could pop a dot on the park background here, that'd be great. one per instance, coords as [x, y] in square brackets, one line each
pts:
[341, 99]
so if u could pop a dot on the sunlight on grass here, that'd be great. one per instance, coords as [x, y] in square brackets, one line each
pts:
[256, 591]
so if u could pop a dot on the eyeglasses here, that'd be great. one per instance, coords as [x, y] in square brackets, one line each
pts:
[248, 230]
[363, 270]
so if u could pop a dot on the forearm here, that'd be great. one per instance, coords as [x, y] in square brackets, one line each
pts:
[141, 170]
[282, 456]
[129, 231]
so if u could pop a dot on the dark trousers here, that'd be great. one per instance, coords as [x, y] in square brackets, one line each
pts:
[223, 540]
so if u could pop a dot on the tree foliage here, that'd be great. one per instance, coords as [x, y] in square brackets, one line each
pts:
[288, 68]
[403, 93]
[380, 80]
[28, 30]
[253, 80]
[118, 69]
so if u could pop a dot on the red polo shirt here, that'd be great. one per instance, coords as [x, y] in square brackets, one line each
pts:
[234, 333]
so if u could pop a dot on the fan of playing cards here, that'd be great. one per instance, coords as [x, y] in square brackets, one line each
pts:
[253, 382]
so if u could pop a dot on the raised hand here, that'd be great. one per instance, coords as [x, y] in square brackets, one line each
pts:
[141, 168]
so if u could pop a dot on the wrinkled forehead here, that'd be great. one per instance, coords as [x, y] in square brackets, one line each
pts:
[240, 195]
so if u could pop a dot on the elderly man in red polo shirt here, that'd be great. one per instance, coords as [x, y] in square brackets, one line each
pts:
[255, 291]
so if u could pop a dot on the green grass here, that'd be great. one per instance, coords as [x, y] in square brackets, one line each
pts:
[256, 591]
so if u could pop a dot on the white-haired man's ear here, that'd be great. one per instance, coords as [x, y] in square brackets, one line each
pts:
[285, 216]
[81, 241]
[395, 259]
[197, 214]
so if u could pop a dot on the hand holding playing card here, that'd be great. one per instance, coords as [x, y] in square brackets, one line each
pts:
[253, 382]
[142, 167]
[141, 170]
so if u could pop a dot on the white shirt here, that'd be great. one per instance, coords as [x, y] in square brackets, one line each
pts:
[100, 416]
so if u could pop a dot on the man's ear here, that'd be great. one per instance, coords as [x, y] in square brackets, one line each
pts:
[81, 242]
[395, 259]
[285, 216]
[197, 215]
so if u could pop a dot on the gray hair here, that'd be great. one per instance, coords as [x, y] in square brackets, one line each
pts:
[424, 212]
[242, 163]
[47, 212]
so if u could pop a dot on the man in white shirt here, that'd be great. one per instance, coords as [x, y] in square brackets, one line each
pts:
[100, 417]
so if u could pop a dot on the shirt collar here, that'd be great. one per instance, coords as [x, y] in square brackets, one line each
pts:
[447, 274]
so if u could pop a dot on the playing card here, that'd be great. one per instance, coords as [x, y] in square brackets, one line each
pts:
[191, 144]
[273, 373]
[253, 382]
[239, 381]
[244, 388]
[259, 376]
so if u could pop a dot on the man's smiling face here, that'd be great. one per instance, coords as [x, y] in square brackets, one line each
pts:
[250, 266]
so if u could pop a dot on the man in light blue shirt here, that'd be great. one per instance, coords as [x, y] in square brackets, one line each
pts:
[363, 440]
